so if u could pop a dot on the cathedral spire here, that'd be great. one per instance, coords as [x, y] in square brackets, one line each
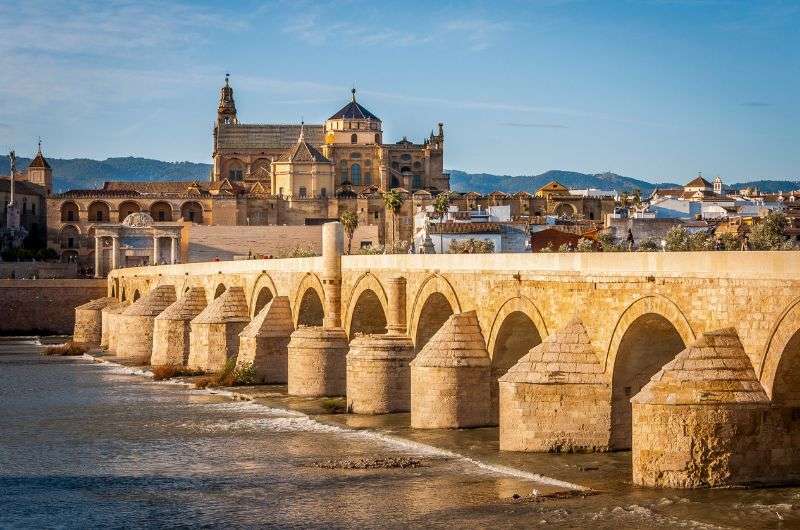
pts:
[301, 139]
[353, 91]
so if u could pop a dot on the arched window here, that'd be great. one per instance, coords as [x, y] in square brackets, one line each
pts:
[355, 174]
[353, 138]
[235, 170]
[377, 138]
[405, 156]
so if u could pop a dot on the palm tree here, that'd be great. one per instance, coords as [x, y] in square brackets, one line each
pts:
[440, 205]
[349, 221]
[393, 201]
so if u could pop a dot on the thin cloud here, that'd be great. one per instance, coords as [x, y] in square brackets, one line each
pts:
[535, 125]
[756, 104]
[478, 33]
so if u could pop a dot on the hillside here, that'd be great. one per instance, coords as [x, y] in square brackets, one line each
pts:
[83, 173]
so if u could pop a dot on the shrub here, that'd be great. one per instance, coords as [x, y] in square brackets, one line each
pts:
[66, 349]
[650, 245]
[471, 246]
[549, 248]
[565, 247]
[299, 251]
[245, 374]
[168, 371]
[677, 239]
[334, 405]
[586, 245]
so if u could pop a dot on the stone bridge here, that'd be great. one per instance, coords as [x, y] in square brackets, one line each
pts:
[705, 344]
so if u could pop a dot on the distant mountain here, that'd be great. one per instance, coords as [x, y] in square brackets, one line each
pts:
[83, 173]
[486, 183]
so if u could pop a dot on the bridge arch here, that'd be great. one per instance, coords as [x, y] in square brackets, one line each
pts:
[263, 292]
[219, 290]
[136, 295]
[367, 307]
[433, 304]
[780, 364]
[308, 308]
[648, 334]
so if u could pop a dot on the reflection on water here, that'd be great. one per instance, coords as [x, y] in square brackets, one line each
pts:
[87, 445]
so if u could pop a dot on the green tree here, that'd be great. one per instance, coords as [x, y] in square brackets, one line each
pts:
[729, 241]
[393, 201]
[768, 233]
[440, 205]
[677, 239]
[349, 220]
[649, 245]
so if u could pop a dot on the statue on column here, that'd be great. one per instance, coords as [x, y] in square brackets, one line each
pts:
[14, 233]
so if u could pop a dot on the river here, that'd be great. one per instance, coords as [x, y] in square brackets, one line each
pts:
[87, 445]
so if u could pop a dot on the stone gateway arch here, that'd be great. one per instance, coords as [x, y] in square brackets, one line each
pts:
[691, 360]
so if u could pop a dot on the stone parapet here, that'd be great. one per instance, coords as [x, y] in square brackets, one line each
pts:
[172, 328]
[556, 398]
[135, 324]
[704, 420]
[264, 342]
[378, 374]
[215, 331]
[109, 315]
[451, 377]
[89, 321]
[317, 362]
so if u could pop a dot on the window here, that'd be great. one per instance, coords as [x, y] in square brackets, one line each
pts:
[191, 216]
[70, 215]
[366, 244]
[235, 174]
[71, 242]
[161, 216]
[33, 208]
[355, 175]
[99, 216]
[323, 192]
[405, 156]
[24, 205]
[353, 138]
[377, 138]
[302, 193]
[417, 182]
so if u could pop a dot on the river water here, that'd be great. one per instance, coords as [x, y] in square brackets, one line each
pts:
[85, 445]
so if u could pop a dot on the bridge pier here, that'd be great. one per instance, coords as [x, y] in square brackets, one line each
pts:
[705, 420]
[214, 336]
[135, 324]
[110, 315]
[317, 355]
[265, 340]
[378, 374]
[556, 398]
[88, 329]
[451, 377]
[171, 328]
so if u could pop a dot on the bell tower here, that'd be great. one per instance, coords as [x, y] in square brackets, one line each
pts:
[226, 111]
[39, 171]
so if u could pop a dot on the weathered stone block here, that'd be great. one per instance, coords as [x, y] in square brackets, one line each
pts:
[317, 362]
[378, 374]
[264, 342]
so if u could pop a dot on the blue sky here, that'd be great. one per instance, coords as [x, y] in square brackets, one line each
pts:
[653, 89]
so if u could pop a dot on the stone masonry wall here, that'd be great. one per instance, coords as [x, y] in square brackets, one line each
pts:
[44, 306]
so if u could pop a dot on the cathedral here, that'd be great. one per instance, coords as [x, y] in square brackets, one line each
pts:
[267, 174]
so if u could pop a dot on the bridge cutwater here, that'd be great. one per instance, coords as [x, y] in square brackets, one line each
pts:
[691, 360]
